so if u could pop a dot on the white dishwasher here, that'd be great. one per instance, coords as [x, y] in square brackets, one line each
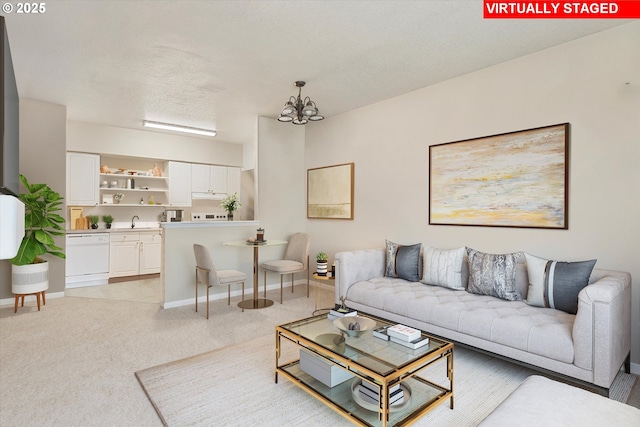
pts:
[87, 262]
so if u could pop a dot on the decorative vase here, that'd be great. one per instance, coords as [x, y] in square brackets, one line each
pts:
[321, 268]
[230, 216]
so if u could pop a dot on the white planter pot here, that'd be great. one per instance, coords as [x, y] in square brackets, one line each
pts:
[29, 279]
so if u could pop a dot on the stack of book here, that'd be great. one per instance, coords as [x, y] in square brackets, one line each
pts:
[338, 311]
[406, 336]
[370, 393]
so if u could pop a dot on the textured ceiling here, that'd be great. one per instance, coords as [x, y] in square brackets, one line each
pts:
[220, 64]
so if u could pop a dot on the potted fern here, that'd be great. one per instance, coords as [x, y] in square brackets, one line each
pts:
[93, 220]
[30, 272]
[108, 220]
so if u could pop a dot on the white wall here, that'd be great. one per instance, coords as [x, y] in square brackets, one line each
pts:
[583, 82]
[42, 160]
[110, 140]
[281, 182]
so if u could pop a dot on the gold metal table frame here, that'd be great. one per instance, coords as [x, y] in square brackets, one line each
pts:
[426, 394]
[255, 302]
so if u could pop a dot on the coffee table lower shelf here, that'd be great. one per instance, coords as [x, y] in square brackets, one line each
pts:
[425, 396]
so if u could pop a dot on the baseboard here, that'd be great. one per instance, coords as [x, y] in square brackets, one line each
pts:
[635, 368]
[48, 295]
[248, 291]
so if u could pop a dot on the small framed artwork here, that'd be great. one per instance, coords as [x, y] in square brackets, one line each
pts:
[330, 192]
[517, 179]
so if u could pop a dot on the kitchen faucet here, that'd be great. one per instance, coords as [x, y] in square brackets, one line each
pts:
[133, 221]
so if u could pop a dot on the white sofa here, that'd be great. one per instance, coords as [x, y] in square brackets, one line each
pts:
[588, 347]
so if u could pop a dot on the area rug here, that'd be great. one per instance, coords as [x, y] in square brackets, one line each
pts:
[234, 386]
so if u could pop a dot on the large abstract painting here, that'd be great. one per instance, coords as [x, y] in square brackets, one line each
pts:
[516, 179]
[330, 192]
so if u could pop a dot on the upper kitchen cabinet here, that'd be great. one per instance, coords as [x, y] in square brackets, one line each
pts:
[83, 179]
[208, 179]
[179, 183]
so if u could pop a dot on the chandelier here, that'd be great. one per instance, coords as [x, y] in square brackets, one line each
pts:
[299, 111]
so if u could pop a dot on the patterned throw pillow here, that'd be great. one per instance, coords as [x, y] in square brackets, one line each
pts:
[556, 284]
[443, 267]
[493, 274]
[403, 261]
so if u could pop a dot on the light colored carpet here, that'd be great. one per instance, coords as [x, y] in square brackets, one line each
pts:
[235, 386]
[73, 363]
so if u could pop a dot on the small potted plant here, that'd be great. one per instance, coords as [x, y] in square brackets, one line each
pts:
[230, 204]
[321, 263]
[117, 197]
[108, 219]
[93, 220]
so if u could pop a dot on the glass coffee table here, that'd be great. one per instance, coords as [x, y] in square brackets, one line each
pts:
[383, 365]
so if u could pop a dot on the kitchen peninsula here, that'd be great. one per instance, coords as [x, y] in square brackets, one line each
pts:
[178, 273]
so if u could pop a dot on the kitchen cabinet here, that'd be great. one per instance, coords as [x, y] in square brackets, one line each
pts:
[209, 179]
[135, 253]
[179, 183]
[82, 179]
[150, 252]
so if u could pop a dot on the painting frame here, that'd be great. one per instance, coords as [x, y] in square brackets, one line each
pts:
[516, 179]
[330, 192]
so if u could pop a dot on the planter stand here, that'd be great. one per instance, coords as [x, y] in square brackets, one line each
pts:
[37, 294]
[30, 279]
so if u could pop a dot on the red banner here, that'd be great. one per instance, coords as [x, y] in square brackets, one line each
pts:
[624, 9]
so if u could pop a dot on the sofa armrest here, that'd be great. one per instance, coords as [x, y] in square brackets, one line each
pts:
[355, 266]
[602, 328]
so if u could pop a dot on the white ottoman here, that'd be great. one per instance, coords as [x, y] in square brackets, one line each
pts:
[539, 401]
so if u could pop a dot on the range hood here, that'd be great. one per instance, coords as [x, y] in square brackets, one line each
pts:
[208, 196]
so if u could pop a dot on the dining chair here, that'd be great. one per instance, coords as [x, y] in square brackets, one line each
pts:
[296, 259]
[206, 274]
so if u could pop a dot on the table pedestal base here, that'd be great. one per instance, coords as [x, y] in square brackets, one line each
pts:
[259, 303]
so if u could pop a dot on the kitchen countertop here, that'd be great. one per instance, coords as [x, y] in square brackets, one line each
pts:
[209, 224]
[112, 230]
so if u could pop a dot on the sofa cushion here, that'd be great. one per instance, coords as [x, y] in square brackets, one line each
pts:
[493, 274]
[556, 284]
[542, 331]
[403, 261]
[443, 267]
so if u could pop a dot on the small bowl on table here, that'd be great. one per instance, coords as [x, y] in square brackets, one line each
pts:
[348, 324]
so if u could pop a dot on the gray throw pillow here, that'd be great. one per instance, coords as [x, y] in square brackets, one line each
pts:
[493, 274]
[407, 261]
[556, 284]
[403, 261]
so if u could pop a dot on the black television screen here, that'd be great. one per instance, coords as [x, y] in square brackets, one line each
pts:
[10, 148]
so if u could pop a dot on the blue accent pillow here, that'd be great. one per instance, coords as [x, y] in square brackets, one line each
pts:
[407, 262]
[403, 261]
[556, 284]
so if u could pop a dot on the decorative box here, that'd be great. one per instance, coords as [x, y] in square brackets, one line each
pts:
[326, 372]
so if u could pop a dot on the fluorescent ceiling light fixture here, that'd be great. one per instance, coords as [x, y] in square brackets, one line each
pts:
[178, 128]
